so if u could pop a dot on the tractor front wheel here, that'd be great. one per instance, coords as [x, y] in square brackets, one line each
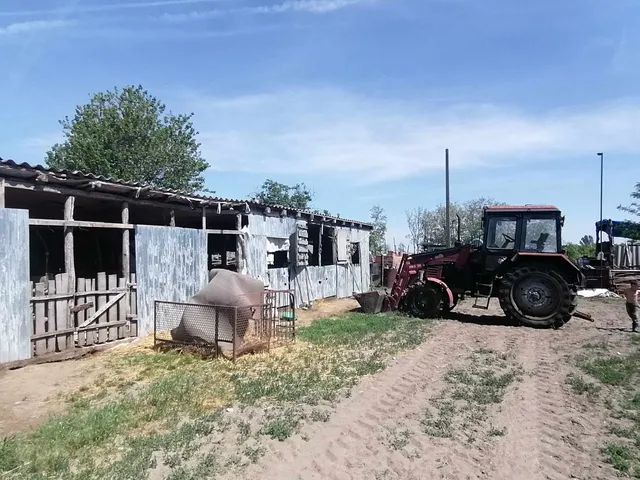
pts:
[537, 296]
[423, 300]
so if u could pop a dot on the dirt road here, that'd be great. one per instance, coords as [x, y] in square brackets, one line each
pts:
[537, 430]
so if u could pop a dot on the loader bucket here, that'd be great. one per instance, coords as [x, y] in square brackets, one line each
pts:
[371, 302]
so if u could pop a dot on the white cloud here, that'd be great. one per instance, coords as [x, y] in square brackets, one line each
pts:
[24, 28]
[109, 7]
[317, 7]
[332, 132]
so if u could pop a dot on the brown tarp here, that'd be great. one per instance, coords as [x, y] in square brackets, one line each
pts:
[225, 289]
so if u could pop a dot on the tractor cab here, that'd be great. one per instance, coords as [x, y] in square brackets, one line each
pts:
[520, 229]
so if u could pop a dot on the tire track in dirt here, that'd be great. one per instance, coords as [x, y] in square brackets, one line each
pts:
[547, 437]
[348, 446]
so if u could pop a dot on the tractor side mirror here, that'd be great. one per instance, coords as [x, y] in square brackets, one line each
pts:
[562, 221]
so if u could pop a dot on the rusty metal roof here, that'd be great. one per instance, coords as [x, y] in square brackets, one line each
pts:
[67, 176]
[523, 207]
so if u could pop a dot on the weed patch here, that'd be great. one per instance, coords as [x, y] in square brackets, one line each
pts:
[619, 375]
[581, 386]
[463, 405]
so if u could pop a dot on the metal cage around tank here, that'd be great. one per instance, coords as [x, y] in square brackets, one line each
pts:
[272, 322]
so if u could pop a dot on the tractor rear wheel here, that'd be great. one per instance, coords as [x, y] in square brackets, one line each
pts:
[537, 296]
[423, 300]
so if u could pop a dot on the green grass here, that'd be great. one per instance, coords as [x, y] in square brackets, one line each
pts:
[112, 430]
[619, 376]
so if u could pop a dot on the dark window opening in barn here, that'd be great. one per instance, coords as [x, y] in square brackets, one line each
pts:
[44, 205]
[278, 259]
[98, 250]
[46, 251]
[245, 221]
[355, 253]
[328, 246]
[221, 251]
[314, 244]
[277, 252]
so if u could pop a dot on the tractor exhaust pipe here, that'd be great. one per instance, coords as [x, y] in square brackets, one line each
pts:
[459, 226]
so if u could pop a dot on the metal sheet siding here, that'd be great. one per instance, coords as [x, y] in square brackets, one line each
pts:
[313, 282]
[171, 265]
[15, 287]
[272, 226]
[626, 256]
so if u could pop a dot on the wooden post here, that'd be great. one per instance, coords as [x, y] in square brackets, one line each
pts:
[2, 193]
[172, 221]
[204, 218]
[126, 247]
[238, 245]
[69, 262]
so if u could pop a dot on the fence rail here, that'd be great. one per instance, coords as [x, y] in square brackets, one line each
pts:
[97, 311]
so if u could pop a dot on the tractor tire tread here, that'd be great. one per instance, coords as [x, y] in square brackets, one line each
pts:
[567, 304]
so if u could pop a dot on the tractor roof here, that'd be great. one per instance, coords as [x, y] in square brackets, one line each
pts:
[522, 208]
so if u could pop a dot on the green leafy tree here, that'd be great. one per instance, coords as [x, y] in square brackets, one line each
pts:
[377, 239]
[575, 251]
[429, 226]
[126, 134]
[629, 228]
[587, 240]
[275, 193]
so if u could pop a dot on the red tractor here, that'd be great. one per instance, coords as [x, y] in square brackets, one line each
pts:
[519, 261]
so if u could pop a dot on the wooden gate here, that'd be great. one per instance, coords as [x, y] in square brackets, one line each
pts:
[101, 310]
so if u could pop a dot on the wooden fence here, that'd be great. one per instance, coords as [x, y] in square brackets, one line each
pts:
[101, 310]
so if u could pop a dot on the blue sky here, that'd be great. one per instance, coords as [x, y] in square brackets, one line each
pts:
[356, 98]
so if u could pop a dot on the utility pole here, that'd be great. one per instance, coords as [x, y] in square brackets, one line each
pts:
[601, 155]
[447, 220]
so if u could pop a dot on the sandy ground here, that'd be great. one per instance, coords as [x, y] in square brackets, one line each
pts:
[549, 433]
[30, 395]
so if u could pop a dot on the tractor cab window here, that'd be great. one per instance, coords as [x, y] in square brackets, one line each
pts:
[501, 233]
[540, 235]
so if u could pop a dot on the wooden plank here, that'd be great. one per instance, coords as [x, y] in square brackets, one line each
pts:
[41, 321]
[62, 356]
[2, 192]
[123, 309]
[62, 311]
[100, 314]
[204, 218]
[89, 285]
[69, 262]
[133, 308]
[112, 313]
[44, 222]
[81, 307]
[102, 300]
[67, 296]
[51, 316]
[58, 333]
[81, 312]
[223, 232]
[126, 243]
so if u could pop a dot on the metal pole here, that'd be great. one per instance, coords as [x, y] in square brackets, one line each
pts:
[448, 205]
[601, 155]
